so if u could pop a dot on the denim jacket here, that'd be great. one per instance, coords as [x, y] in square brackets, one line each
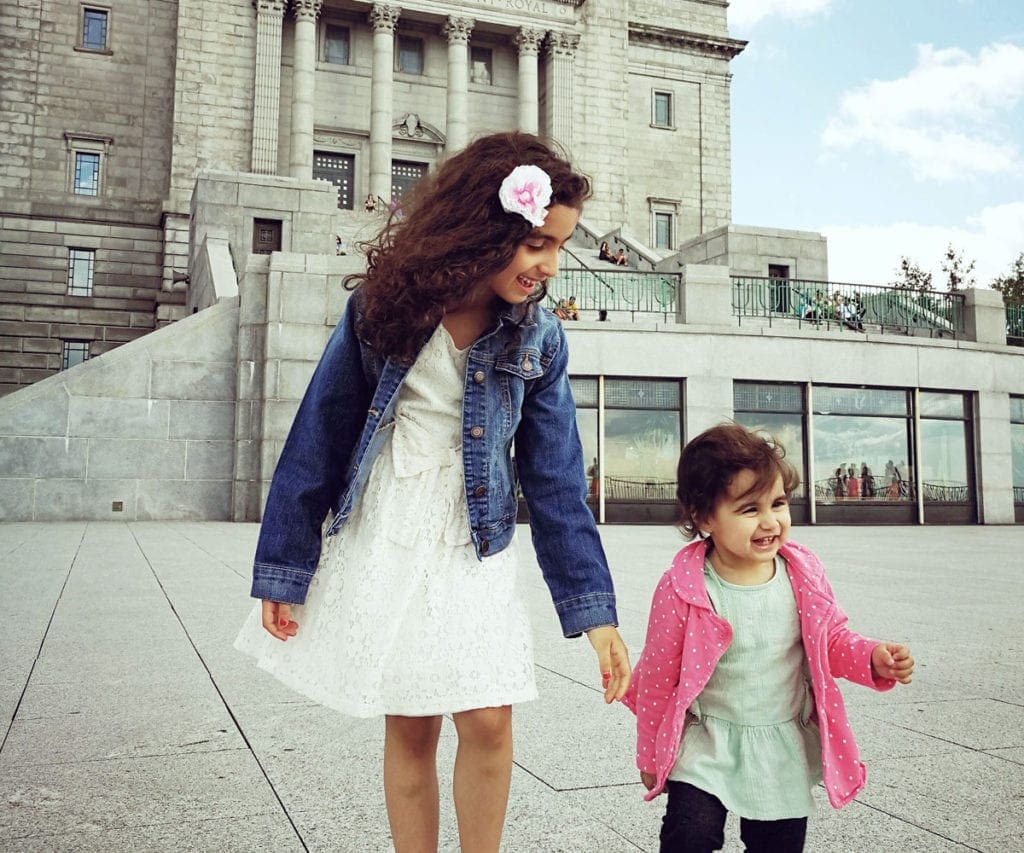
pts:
[516, 393]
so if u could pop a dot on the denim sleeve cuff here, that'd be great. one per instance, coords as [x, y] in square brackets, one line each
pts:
[278, 583]
[587, 611]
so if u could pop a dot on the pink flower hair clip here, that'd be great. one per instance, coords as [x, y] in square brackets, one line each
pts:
[527, 191]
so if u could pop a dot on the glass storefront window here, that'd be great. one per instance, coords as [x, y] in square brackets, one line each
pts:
[862, 445]
[779, 411]
[642, 438]
[1017, 447]
[945, 447]
[789, 430]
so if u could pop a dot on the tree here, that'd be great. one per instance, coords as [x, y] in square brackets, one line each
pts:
[958, 273]
[1012, 285]
[912, 277]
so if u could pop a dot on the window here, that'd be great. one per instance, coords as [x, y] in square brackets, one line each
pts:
[779, 288]
[266, 236]
[87, 173]
[410, 55]
[94, 28]
[862, 445]
[663, 230]
[338, 169]
[641, 439]
[662, 109]
[481, 64]
[404, 176]
[87, 163]
[945, 448]
[80, 270]
[1017, 447]
[74, 352]
[779, 411]
[336, 45]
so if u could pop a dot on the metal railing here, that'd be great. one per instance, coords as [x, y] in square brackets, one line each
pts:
[632, 291]
[619, 489]
[852, 306]
[1015, 324]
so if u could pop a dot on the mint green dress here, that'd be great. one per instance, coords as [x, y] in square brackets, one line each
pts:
[748, 739]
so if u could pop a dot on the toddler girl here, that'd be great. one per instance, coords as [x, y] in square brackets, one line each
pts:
[735, 694]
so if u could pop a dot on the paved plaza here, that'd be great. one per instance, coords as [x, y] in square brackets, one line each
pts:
[131, 724]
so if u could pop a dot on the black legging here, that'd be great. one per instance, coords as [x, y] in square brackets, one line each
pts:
[694, 822]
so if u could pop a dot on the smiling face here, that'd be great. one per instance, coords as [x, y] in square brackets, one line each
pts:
[748, 529]
[536, 257]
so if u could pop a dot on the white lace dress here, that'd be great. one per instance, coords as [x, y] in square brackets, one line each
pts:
[401, 617]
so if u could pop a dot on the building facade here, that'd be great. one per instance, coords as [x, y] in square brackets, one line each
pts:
[110, 110]
[162, 159]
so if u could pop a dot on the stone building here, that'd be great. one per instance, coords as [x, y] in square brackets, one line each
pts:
[111, 109]
[212, 164]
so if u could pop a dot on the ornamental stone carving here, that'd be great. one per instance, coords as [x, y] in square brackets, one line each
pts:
[528, 40]
[384, 18]
[306, 10]
[458, 29]
[563, 43]
[264, 6]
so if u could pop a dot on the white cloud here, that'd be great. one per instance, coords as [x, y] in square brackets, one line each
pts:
[743, 14]
[870, 254]
[945, 118]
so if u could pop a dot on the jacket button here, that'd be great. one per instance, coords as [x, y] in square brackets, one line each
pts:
[477, 432]
[527, 364]
[480, 491]
[479, 377]
[485, 546]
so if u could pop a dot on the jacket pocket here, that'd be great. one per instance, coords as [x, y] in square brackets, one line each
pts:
[523, 362]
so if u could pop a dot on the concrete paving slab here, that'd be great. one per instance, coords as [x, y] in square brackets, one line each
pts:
[165, 673]
[982, 724]
[128, 734]
[965, 796]
[90, 795]
[1015, 755]
[562, 738]
[225, 835]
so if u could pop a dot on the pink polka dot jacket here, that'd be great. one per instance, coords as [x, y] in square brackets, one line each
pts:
[686, 638]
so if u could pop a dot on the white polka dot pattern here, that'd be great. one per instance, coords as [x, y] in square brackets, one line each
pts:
[663, 687]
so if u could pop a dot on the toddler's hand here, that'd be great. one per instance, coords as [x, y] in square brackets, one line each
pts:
[892, 660]
[649, 780]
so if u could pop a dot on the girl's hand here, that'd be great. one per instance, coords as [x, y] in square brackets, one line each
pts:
[613, 660]
[892, 660]
[649, 780]
[277, 619]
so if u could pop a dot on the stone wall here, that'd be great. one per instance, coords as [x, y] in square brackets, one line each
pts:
[53, 96]
[143, 432]
[748, 251]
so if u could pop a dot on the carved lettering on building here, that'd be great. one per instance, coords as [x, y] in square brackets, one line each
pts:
[547, 8]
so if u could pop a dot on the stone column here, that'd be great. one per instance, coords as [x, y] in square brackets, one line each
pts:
[457, 30]
[558, 108]
[267, 88]
[528, 41]
[303, 88]
[984, 316]
[383, 19]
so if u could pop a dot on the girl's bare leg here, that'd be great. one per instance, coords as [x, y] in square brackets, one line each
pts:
[410, 782]
[483, 771]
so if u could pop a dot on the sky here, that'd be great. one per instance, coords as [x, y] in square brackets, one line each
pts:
[893, 127]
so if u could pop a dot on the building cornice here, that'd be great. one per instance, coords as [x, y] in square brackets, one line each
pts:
[684, 40]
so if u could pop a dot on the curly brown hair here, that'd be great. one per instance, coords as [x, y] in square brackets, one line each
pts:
[710, 461]
[450, 235]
